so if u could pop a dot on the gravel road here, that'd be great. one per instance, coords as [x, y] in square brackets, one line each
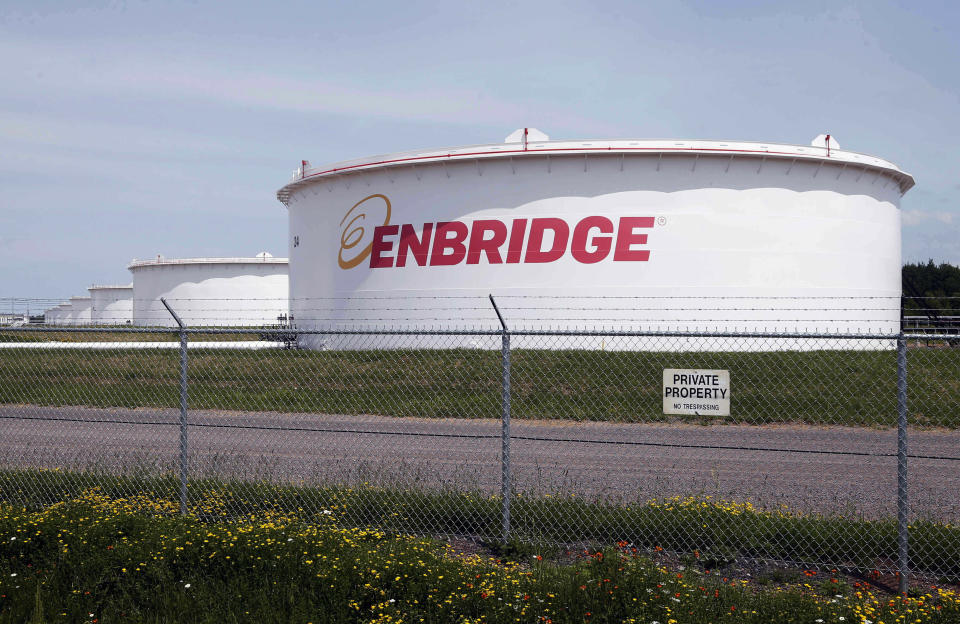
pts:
[806, 468]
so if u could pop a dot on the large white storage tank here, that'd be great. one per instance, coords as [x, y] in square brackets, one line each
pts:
[211, 291]
[662, 235]
[80, 310]
[111, 305]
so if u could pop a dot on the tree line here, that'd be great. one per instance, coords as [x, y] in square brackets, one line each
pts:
[931, 289]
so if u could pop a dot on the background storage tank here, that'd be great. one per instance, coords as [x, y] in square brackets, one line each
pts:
[111, 305]
[663, 235]
[80, 310]
[66, 316]
[57, 315]
[211, 291]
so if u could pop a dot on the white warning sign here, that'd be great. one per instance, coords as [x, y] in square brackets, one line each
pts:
[696, 392]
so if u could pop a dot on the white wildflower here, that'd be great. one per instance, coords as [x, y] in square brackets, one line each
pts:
[186, 586]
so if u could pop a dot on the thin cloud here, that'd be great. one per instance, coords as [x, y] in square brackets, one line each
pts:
[53, 67]
[912, 218]
[117, 138]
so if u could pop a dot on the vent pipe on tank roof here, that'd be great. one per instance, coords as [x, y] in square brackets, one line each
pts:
[525, 135]
[826, 141]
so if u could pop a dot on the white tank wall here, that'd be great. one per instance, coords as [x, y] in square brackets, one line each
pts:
[66, 315]
[111, 305]
[745, 227]
[210, 293]
[80, 310]
[56, 315]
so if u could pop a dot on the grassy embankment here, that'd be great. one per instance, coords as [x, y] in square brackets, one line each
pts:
[101, 558]
[853, 388]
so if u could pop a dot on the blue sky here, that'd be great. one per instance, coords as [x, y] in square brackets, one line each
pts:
[129, 129]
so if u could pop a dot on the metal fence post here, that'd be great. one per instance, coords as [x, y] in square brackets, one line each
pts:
[505, 479]
[903, 507]
[183, 407]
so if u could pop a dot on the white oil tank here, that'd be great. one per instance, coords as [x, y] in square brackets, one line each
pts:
[57, 315]
[111, 305]
[80, 310]
[674, 235]
[208, 292]
[66, 313]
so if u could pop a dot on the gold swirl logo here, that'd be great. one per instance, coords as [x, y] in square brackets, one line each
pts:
[352, 235]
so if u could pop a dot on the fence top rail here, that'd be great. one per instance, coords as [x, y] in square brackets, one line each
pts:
[262, 331]
[285, 332]
[702, 334]
[931, 336]
[63, 329]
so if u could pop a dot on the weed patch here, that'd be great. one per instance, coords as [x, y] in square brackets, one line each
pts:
[104, 559]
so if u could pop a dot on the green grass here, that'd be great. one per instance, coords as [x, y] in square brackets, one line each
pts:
[720, 531]
[852, 388]
[103, 559]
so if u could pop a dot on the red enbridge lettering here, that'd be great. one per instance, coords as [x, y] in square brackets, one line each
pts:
[449, 238]
[448, 243]
[578, 246]
[539, 227]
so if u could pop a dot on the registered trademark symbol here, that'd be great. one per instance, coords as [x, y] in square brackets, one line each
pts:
[661, 220]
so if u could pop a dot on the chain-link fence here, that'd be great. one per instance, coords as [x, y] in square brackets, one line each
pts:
[835, 450]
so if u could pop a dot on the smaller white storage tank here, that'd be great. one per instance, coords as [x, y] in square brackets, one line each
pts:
[211, 292]
[80, 310]
[57, 315]
[111, 305]
[66, 313]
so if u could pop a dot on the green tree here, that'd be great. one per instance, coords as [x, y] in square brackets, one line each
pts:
[931, 289]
